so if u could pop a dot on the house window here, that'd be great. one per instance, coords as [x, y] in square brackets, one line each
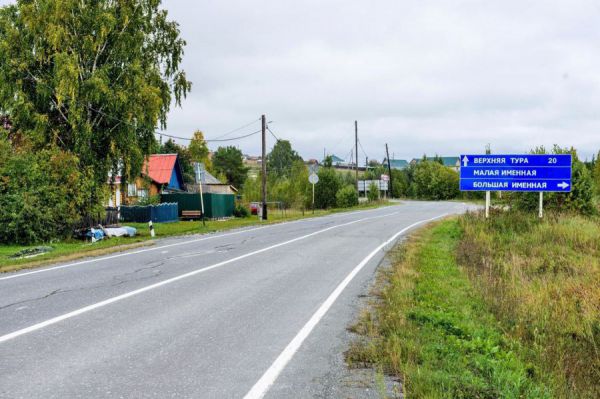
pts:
[132, 190]
[142, 193]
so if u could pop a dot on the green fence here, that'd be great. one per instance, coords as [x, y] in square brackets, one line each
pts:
[163, 213]
[215, 205]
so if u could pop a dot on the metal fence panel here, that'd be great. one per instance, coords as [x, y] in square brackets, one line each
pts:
[215, 205]
[163, 213]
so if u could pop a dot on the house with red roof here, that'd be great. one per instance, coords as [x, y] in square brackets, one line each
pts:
[161, 173]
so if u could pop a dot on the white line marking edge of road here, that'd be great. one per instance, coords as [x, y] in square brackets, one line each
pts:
[126, 295]
[202, 238]
[262, 386]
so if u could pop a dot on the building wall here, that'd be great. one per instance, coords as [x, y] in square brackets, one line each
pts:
[131, 196]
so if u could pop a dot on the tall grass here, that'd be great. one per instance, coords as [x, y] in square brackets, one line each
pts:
[431, 328]
[541, 279]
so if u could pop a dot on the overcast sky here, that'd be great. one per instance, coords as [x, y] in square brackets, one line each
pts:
[425, 76]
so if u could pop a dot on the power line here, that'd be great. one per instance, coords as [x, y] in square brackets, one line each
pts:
[273, 134]
[212, 140]
[233, 138]
[236, 130]
[361, 147]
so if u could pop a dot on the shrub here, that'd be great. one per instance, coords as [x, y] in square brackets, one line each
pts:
[149, 200]
[347, 197]
[433, 181]
[43, 194]
[240, 211]
[400, 184]
[373, 194]
[327, 188]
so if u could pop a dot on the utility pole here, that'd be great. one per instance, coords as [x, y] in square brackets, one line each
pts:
[387, 153]
[356, 147]
[264, 167]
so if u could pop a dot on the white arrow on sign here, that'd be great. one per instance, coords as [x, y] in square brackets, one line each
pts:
[466, 161]
[563, 185]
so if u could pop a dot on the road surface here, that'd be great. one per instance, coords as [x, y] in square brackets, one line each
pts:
[252, 313]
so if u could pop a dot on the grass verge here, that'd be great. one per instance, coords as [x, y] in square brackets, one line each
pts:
[432, 328]
[73, 249]
[541, 280]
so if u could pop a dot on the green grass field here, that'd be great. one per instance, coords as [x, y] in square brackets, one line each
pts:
[505, 308]
[75, 249]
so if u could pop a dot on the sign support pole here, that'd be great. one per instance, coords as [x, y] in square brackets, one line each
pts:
[488, 202]
[313, 200]
[202, 204]
[541, 205]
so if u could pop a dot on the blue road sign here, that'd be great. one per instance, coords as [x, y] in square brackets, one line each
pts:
[537, 173]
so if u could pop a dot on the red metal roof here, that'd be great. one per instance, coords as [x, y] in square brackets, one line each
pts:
[159, 167]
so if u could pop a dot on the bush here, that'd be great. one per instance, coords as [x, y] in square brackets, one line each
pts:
[347, 197]
[43, 194]
[327, 188]
[400, 184]
[293, 190]
[240, 211]
[373, 194]
[433, 181]
[149, 200]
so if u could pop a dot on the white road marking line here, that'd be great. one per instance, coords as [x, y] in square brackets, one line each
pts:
[48, 269]
[109, 301]
[263, 385]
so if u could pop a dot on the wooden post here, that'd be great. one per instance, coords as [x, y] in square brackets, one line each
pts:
[387, 153]
[264, 167]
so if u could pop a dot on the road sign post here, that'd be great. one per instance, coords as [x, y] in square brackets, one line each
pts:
[520, 173]
[313, 178]
[199, 171]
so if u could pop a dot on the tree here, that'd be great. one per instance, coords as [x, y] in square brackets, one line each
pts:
[42, 194]
[326, 189]
[281, 158]
[199, 151]
[401, 184]
[229, 162]
[433, 181]
[185, 160]
[92, 78]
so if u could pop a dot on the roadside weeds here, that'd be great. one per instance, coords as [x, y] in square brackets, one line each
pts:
[429, 327]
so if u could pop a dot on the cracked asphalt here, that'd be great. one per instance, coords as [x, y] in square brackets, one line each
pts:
[207, 335]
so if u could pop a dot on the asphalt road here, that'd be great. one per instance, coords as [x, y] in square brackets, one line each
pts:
[249, 313]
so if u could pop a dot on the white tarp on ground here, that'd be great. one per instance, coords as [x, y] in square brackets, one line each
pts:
[120, 231]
